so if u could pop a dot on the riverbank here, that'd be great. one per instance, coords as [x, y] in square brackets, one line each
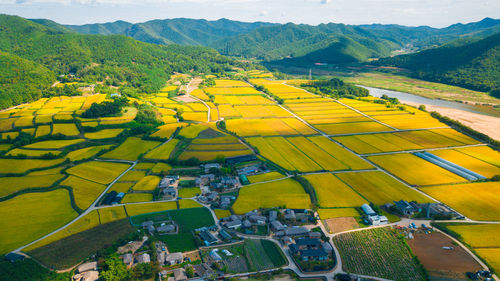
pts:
[487, 125]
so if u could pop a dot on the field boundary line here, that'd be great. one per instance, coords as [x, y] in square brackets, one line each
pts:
[422, 149]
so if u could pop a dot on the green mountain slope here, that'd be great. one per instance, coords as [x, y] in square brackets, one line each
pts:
[180, 31]
[98, 57]
[22, 80]
[473, 64]
[339, 43]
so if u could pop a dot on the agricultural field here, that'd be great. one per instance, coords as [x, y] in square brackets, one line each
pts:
[380, 188]
[477, 201]
[377, 252]
[306, 154]
[188, 192]
[483, 153]
[415, 170]
[98, 171]
[163, 151]
[130, 149]
[11, 185]
[325, 214]
[469, 162]
[137, 197]
[265, 177]
[166, 131]
[103, 134]
[222, 213]
[29, 216]
[86, 153]
[66, 129]
[84, 192]
[482, 238]
[53, 144]
[134, 210]
[148, 183]
[285, 192]
[269, 127]
[21, 166]
[332, 192]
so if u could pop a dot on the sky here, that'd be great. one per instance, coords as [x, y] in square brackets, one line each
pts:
[435, 13]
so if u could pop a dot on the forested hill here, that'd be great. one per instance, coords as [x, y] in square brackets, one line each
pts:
[92, 58]
[473, 64]
[339, 43]
[179, 31]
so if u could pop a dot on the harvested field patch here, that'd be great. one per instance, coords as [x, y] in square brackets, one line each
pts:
[341, 224]
[445, 263]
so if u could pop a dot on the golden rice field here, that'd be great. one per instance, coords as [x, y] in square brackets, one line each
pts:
[229, 83]
[491, 256]
[265, 177]
[30, 216]
[468, 162]
[9, 185]
[144, 166]
[32, 152]
[111, 214]
[188, 192]
[188, 203]
[10, 135]
[137, 197]
[380, 188]
[148, 183]
[103, 134]
[284, 154]
[260, 111]
[415, 170]
[20, 166]
[53, 144]
[67, 129]
[163, 151]
[43, 130]
[332, 192]
[226, 139]
[321, 157]
[478, 235]
[121, 187]
[269, 127]
[483, 153]
[86, 222]
[346, 157]
[212, 155]
[85, 192]
[477, 201]
[408, 121]
[350, 128]
[192, 130]
[98, 171]
[195, 116]
[130, 149]
[287, 192]
[165, 131]
[222, 213]
[134, 210]
[325, 214]
[86, 153]
[161, 168]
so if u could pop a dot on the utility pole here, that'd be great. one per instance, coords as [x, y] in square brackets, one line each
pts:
[310, 74]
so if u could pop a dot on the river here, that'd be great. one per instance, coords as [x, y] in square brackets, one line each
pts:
[483, 110]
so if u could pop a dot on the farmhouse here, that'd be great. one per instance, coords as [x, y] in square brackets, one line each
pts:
[207, 238]
[144, 258]
[165, 229]
[407, 208]
[372, 217]
[174, 258]
[211, 166]
[277, 226]
[128, 259]
[180, 274]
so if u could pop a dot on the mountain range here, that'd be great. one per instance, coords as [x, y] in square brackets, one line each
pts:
[289, 43]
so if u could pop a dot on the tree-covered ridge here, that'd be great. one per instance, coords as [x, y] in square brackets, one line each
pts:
[22, 80]
[178, 31]
[94, 58]
[473, 64]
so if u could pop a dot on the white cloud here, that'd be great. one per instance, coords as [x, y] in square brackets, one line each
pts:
[325, 1]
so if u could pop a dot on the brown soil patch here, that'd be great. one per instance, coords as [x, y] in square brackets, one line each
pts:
[487, 125]
[193, 255]
[336, 225]
[438, 261]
